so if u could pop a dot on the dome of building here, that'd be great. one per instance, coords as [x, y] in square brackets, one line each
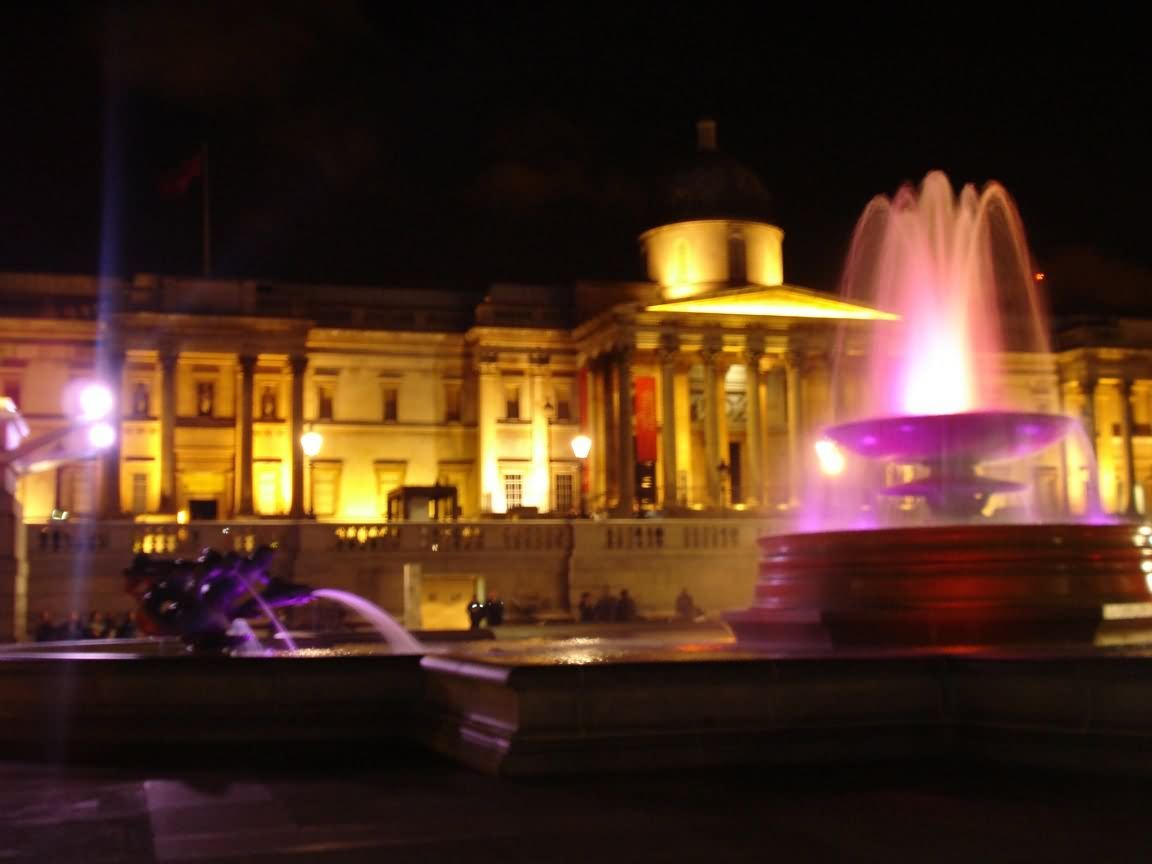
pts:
[712, 185]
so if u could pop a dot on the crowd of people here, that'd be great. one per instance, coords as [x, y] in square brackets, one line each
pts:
[95, 625]
[622, 607]
[607, 607]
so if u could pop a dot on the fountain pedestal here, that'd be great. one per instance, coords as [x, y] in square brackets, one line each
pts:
[950, 585]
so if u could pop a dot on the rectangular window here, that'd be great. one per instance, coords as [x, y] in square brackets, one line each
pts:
[562, 494]
[324, 401]
[511, 401]
[563, 403]
[139, 493]
[140, 399]
[391, 404]
[268, 403]
[452, 403]
[205, 398]
[513, 490]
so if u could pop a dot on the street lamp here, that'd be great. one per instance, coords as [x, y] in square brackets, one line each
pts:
[581, 447]
[311, 442]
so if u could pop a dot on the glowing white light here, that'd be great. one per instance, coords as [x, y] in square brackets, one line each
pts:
[1146, 530]
[1146, 566]
[830, 456]
[95, 402]
[101, 436]
[581, 446]
[311, 441]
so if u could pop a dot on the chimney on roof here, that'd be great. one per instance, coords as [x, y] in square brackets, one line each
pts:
[706, 135]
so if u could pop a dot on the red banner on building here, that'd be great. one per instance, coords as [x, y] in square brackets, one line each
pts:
[644, 411]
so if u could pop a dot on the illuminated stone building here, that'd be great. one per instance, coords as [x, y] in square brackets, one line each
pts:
[699, 389]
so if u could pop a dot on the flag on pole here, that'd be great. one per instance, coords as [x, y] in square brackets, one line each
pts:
[176, 182]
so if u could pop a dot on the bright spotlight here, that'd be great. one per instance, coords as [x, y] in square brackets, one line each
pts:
[311, 442]
[101, 436]
[831, 458]
[581, 446]
[95, 402]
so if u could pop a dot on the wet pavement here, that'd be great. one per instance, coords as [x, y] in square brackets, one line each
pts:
[427, 810]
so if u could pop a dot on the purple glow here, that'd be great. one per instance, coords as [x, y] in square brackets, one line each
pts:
[983, 435]
[957, 271]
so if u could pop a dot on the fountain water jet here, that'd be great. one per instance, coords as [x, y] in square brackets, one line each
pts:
[935, 409]
[397, 637]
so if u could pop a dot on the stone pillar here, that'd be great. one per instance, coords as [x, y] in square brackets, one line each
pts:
[775, 429]
[299, 364]
[244, 417]
[669, 351]
[113, 375]
[754, 431]
[1126, 423]
[1088, 410]
[539, 493]
[709, 355]
[168, 502]
[487, 415]
[625, 447]
[793, 381]
[607, 434]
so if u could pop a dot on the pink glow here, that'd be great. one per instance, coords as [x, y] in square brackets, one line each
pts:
[957, 271]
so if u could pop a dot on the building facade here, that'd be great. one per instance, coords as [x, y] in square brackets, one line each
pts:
[700, 390]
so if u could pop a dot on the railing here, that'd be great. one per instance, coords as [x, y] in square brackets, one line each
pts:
[410, 540]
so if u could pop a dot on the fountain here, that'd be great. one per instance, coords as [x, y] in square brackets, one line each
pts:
[208, 602]
[925, 527]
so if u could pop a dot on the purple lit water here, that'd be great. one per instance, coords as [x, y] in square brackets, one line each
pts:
[398, 638]
[930, 414]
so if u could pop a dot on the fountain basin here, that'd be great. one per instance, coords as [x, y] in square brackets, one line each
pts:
[950, 585]
[974, 436]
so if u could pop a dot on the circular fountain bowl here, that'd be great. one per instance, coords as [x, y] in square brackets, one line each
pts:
[952, 585]
[974, 436]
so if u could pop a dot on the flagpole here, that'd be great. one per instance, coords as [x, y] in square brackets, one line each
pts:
[205, 212]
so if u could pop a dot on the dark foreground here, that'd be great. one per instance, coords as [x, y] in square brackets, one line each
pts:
[423, 809]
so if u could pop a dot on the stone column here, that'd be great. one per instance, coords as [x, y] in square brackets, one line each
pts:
[1125, 387]
[168, 361]
[754, 431]
[244, 415]
[540, 493]
[1088, 410]
[625, 447]
[793, 381]
[1087, 385]
[669, 351]
[607, 436]
[299, 364]
[487, 415]
[709, 355]
[113, 375]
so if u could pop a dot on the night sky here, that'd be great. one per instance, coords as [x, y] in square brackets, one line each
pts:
[422, 144]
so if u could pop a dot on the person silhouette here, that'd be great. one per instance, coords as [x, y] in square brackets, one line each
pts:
[476, 612]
